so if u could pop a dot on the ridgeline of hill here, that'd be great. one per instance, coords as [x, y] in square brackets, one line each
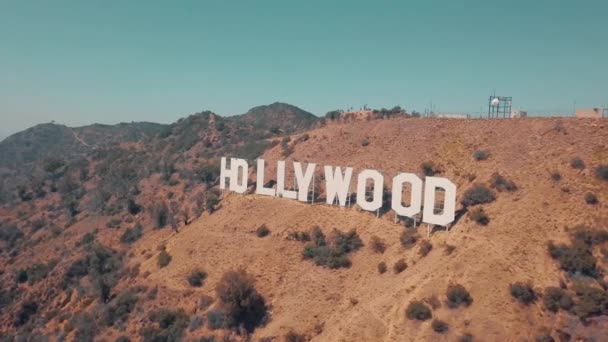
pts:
[116, 232]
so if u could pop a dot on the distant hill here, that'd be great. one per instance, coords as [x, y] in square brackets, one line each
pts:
[40, 141]
[278, 116]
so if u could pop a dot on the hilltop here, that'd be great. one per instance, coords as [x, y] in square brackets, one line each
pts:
[93, 246]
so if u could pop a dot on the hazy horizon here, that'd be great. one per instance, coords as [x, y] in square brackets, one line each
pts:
[83, 63]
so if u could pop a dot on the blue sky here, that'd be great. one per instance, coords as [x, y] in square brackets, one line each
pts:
[79, 62]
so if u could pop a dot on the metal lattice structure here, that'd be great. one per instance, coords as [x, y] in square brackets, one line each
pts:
[499, 107]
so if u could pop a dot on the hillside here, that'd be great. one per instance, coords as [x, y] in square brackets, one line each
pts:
[547, 199]
[278, 116]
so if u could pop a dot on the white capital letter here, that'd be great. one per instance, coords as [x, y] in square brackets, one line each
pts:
[281, 192]
[337, 183]
[449, 202]
[416, 195]
[259, 187]
[304, 179]
[376, 201]
[233, 173]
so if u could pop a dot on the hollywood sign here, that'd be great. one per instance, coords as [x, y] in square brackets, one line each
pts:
[337, 188]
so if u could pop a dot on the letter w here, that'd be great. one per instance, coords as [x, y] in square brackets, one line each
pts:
[337, 183]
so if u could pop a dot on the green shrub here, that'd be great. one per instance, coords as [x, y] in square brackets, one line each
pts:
[160, 215]
[418, 310]
[500, 183]
[240, 302]
[439, 326]
[114, 223]
[590, 301]
[215, 320]
[377, 244]
[466, 338]
[458, 296]
[425, 248]
[555, 176]
[429, 168]
[480, 155]
[38, 224]
[262, 231]
[164, 258]
[382, 267]
[132, 234]
[334, 252]
[196, 323]
[523, 292]
[577, 163]
[196, 278]
[169, 325]
[602, 172]
[576, 258]
[10, 234]
[25, 312]
[120, 308]
[591, 198]
[364, 142]
[479, 215]
[544, 337]
[555, 298]
[477, 194]
[298, 236]
[399, 266]
[408, 238]
[292, 336]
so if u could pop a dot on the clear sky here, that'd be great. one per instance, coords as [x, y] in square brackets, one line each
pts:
[79, 62]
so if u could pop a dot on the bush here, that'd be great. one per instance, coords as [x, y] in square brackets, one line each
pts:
[195, 323]
[170, 325]
[160, 215]
[602, 172]
[429, 168]
[377, 244]
[465, 338]
[555, 176]
[556, 298]
[163, 259]
[418, 310]
[590, 302]
[364, 142]
[298, 236]
[132, 234]
[458, 296]
[577, 163]
[399, 266]
[577, 258]
[240, 302]
[262, 231]
[292, 336]
[120, 309]
[500, 183]
[196, 278]
[132, 207]
[544, 337]
[408, 238]
[479, 215]
[38, 224]
[477, 194]
[524, 293]
[591, 198]
[27, 310]
[425, 248]
[382, 267]
[215, 320]
[332, 253]
[439, 326]
[480, 155]
[10, 234]
[86, 328]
